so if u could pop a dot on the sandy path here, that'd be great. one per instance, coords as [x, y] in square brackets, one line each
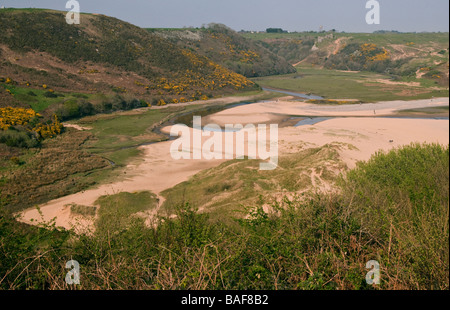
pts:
[158, 171]
[76, 126]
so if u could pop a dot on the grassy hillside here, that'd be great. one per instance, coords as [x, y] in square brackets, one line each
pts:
[40, 50]
[421, 55]
[226, 47]
[51, 71]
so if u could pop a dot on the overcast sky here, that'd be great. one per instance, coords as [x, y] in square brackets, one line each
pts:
[291, 15]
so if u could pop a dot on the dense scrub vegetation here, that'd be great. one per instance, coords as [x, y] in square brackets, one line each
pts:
[24, 127]
[393, 209]
[227, 48]
[108, 55]
[80, 107]
[59, 167]
[357, 57]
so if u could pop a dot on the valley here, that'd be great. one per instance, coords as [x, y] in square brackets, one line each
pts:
[88, 172]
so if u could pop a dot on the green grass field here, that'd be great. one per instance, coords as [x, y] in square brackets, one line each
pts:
[37, 98]
[123, 131]
[364, 86]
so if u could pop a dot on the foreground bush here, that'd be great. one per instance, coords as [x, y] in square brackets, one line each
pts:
[17, 138]
[402, 199]
[393, 209]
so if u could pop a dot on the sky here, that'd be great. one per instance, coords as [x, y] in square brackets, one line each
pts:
[258, 15]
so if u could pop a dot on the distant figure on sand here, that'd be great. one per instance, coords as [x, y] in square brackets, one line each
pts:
[375, 113]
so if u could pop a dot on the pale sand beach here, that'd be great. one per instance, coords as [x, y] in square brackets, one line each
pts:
[158, 171]
[266, 111]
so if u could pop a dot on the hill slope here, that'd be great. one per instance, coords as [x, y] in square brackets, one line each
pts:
[415, 55]
[38, 49]
[228, 48]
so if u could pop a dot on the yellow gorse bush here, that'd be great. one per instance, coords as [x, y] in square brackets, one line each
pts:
[248, 56]
[191, 85]
[10, 117]
[368, 49]
[49, 130]
[15, 116]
